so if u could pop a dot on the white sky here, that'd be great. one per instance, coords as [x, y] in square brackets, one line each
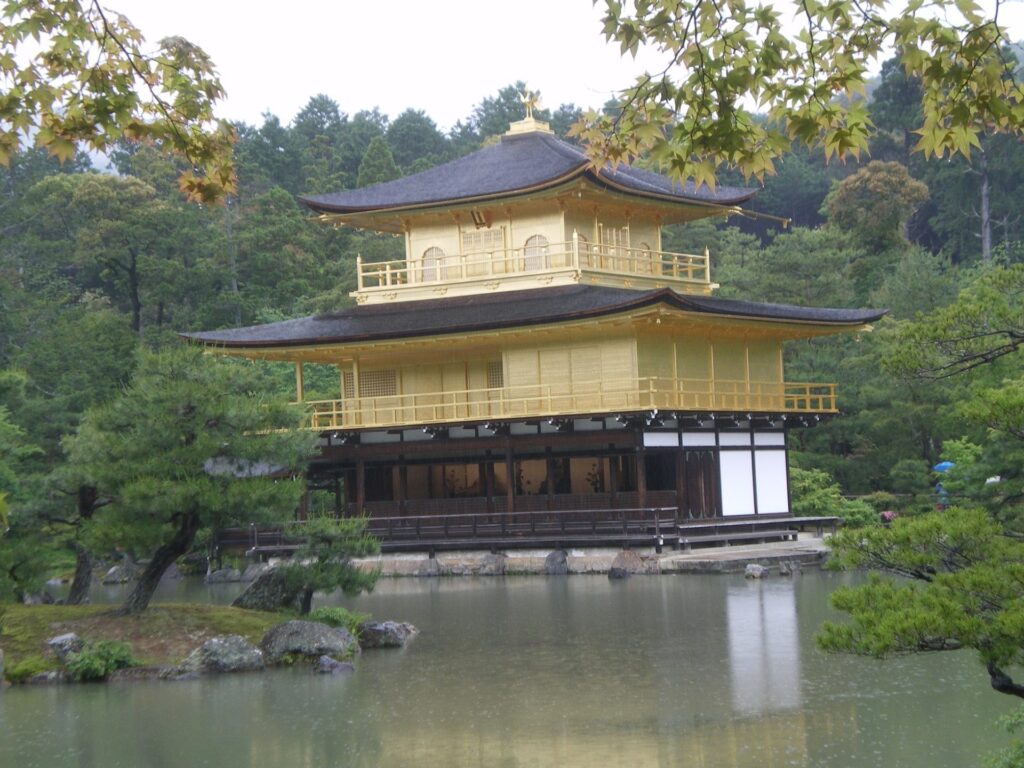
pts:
[441, 56]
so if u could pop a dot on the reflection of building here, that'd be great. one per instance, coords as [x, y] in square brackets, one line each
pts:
[764, 647]
[536, 350]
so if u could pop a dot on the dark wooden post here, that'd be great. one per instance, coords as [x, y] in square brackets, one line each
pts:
[488, 470]
[641, 476]
[549, 461]
[360, 486]
[680, 484]
[403, 484]
[510, 471]
[613, 480]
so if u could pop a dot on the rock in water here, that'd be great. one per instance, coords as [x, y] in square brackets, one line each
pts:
[307, 638]
[325, 665]
[270, 592]
[119, 574]
[557, 563]
[254, 571]
[625, 564]
[755, 571]
[64, 645]
[224, 653]
[385, 634]
[224, 576]
[788, 568]
[493, 564]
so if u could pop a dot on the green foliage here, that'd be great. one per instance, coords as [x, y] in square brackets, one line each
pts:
[26, 668]
[723, 54]
[875, 202]
[324, 560]
[377, 165]
[965, 588]
[1013, 755]
[815, 494]
[336, 616]
[74, 73]
[97, 661]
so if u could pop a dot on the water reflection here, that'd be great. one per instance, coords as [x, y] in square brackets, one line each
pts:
[764, 648]
[581, 671]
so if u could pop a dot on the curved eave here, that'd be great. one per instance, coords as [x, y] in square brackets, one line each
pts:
[681, 303]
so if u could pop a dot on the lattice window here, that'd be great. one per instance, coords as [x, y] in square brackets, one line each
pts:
[348, 385]
[495, 375]
[533, 253]
[484, 240]
[432, 259]
[378, 383]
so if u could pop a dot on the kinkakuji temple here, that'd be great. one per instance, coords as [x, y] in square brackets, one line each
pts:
[537, 370]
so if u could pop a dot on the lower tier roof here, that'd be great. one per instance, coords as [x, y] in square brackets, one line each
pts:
[494, 311]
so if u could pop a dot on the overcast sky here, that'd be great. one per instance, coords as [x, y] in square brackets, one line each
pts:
[441, 56]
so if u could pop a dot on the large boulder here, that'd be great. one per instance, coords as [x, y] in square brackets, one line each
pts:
[385, 634]
[557, 563]
[254, 571]
[755, 571]
[65, 645]
[119, 574]
[307, 638]
[224, 653]
[224, 576]
[40, 598]
[625, 564]
[269, 592]
[493, 564]
[325, 665]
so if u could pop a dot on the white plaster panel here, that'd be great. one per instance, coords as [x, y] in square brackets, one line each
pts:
[769, 438]
[661, 440]
[772, 485]
[734, 438]
[737, 483]
[698, 439]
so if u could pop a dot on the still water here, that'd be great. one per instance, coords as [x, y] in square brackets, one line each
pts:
[711, 671]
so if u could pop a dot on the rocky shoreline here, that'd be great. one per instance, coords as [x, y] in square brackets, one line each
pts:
[322, 648]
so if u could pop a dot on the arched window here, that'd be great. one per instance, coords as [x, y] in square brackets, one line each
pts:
[533, 253]
[644, 259]
[432, 259]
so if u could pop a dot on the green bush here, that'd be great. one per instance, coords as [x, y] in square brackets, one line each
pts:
[815, 494]
[26, 668]
[97, 661]
[339, 617]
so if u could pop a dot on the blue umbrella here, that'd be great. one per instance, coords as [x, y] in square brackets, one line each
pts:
[944, 466]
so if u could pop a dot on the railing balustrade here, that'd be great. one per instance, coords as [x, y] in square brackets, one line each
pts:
[571, 255]
[543, 400]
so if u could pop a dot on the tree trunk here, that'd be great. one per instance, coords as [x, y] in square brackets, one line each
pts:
[306, 602]
[134, 294]
[162, 559]
[986, 211]
[83, 576]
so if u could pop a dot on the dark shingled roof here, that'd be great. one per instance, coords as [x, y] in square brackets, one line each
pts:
[520, 163]
[490, 311]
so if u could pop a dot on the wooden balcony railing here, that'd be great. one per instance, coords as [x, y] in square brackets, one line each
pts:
[573, 255]
[534, 401]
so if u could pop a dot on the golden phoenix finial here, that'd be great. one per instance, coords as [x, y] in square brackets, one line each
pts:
[531, 100]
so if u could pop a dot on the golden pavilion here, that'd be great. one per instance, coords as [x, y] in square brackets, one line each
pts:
[537, 369]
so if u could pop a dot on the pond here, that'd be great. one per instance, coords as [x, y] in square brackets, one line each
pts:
[709, 671]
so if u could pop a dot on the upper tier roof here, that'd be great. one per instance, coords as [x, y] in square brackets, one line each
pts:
[526, 162]
[490, 311]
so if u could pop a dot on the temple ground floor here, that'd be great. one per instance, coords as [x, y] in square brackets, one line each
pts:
[625, 480]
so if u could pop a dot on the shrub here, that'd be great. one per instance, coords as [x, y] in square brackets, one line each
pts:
[97, 661]
[339, 617]
[816, 494]
[26, 668]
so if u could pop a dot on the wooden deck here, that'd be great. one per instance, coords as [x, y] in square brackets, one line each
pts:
[655, 527]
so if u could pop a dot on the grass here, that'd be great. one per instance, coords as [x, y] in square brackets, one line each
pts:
[164, 634]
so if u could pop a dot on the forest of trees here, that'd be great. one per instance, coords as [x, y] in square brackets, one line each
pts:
[98, 264]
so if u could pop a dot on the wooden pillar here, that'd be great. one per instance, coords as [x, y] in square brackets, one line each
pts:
[613, 479]
[488, 480]
[641, 476]
[510, 472]
[549, 461]
[681, 512]
[300, 387]
[360, 486]
[403, 485]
